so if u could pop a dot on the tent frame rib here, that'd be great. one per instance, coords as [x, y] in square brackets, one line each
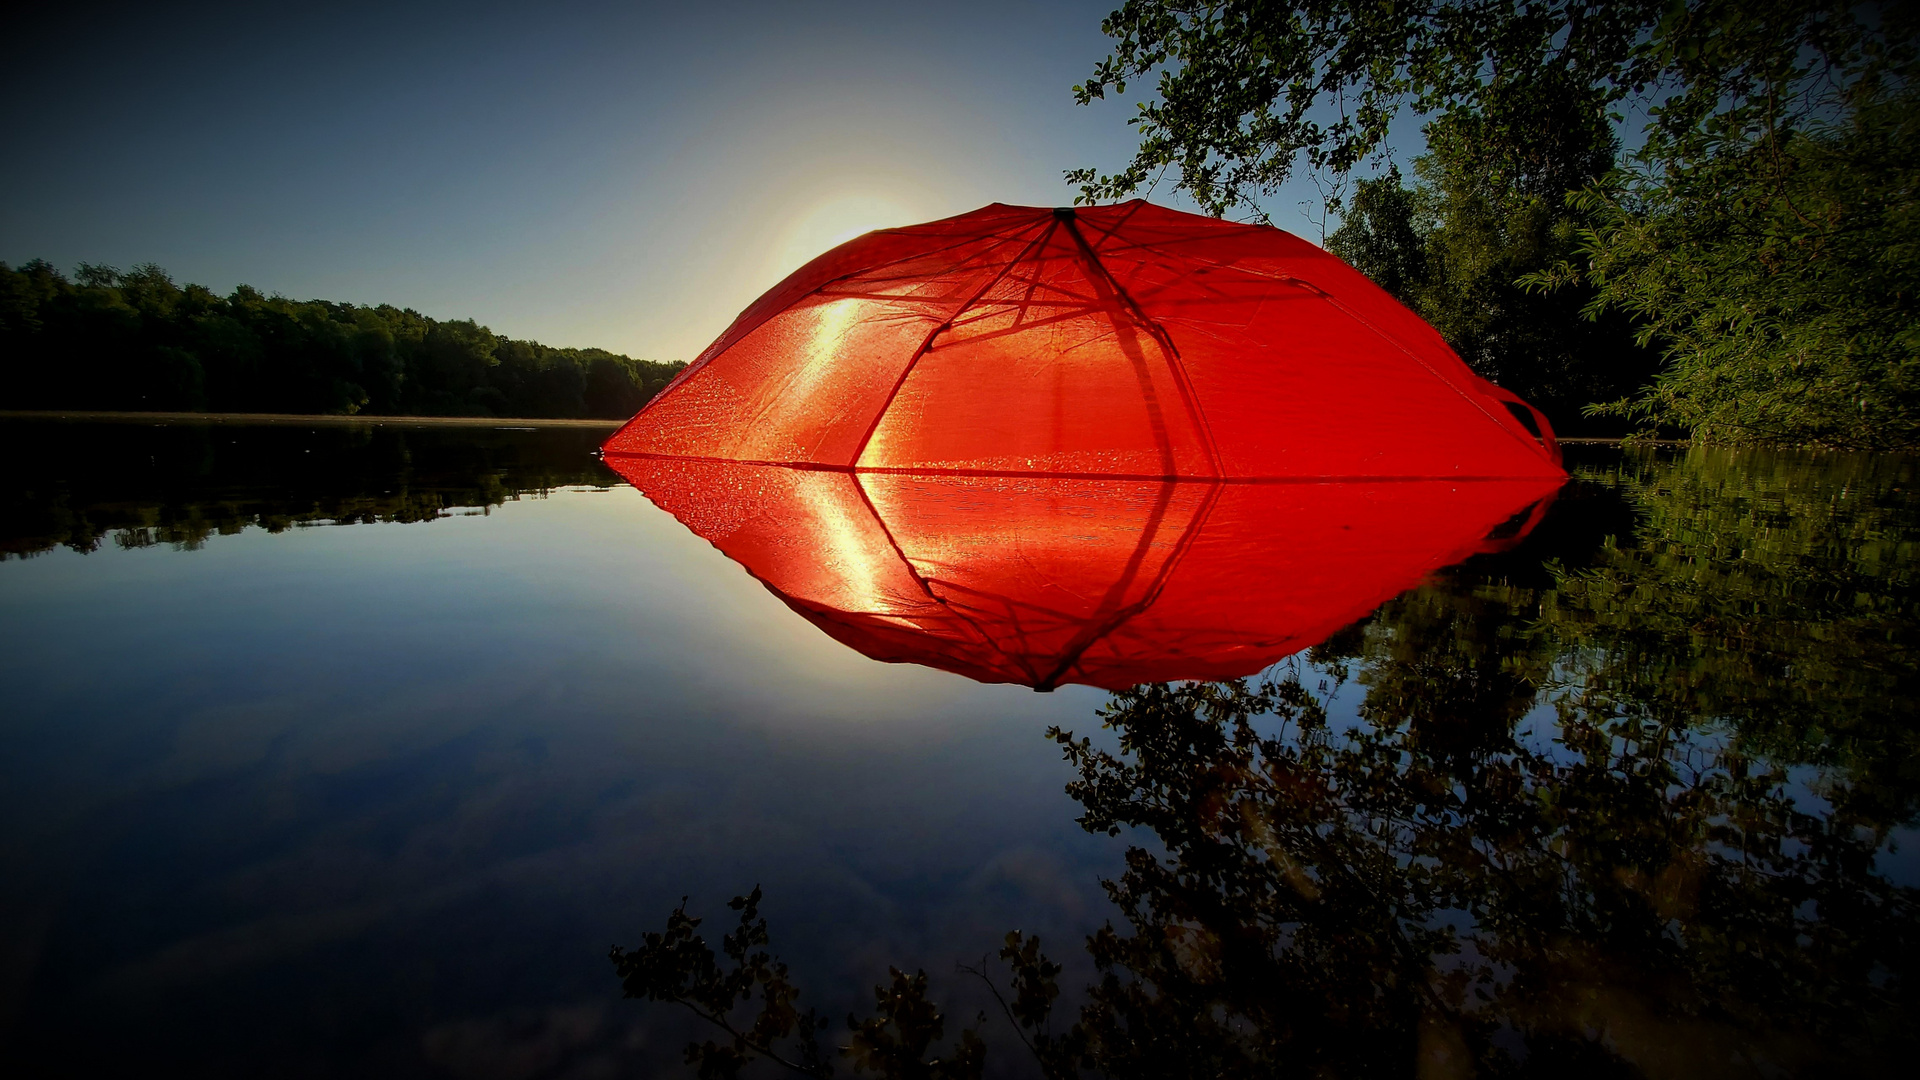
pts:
[1159, 333]
[880, 414]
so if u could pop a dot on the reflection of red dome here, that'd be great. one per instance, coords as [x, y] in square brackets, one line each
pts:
[1125, 340]
[1109, 582]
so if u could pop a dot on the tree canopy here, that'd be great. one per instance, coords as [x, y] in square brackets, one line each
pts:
[1760, 234]
[135, 340]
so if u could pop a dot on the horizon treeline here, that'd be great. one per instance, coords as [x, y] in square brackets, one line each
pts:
[134, 340]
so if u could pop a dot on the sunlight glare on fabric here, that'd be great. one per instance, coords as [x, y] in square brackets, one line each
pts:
[844, 532]
[831, 323]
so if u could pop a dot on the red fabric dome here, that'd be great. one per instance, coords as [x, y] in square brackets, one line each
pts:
[1111, 582]
[1125, 341]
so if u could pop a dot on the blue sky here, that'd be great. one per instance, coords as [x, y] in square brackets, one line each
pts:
[626, 176]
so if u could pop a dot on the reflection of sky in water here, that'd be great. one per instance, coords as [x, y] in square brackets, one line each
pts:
[286, 758]
[381, 796]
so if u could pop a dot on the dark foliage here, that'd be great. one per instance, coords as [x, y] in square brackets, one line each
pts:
[1777, 269]
[1489, 209]
[137, 484]
[1759, 239]
[678, 966]
[134, 340]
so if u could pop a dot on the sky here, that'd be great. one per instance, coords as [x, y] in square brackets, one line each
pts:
[622, 176]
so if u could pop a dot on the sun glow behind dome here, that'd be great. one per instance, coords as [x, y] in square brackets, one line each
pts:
[835, 220]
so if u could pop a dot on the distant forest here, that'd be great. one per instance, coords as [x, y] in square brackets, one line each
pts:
[135, 340]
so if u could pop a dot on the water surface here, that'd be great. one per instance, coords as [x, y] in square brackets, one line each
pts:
[350, 750]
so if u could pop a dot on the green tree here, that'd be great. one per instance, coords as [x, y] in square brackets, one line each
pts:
[1780, 271]
[1383, 234]
[1758, 236]
[1490, 209]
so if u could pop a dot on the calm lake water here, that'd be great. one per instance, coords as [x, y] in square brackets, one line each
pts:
[350, 750]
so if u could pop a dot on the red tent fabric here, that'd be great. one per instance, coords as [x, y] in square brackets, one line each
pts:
[1124, 341]
[1097, 580]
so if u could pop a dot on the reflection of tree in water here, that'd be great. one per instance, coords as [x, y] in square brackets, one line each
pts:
[1618, 818]
[1629, 892]
[77, 485]
[1772, 594]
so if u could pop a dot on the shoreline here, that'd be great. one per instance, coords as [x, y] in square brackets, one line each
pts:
[1597, 441]
[115, 416]
[124, 416]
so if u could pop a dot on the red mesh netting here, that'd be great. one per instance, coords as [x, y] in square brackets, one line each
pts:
[1120, 341]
